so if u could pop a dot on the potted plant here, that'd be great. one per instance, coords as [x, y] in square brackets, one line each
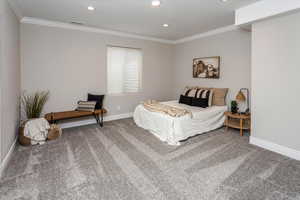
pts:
[32, 106]
[234, 107]
[34, 103]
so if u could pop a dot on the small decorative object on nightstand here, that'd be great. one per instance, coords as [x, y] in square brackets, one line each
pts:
[238, 121]
[234, 107]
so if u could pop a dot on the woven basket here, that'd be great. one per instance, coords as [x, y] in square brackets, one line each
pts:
[25, 141]
[54, 132]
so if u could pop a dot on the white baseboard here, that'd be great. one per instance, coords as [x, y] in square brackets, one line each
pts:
[7, 158]
[93, 121]
[116, 117]
[286, 151]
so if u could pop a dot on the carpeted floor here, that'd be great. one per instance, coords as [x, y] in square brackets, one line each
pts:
[122, 161]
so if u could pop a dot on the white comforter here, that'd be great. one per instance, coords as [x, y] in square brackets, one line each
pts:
[174, 129]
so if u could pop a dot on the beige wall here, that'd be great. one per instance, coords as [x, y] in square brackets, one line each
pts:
[9, 77]
[275, 80]
[71, 63]
[234, 49]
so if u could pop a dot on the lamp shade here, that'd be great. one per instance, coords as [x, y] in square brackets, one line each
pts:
[240, 97]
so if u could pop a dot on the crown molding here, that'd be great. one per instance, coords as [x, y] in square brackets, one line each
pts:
[207, 34]
[43, 22]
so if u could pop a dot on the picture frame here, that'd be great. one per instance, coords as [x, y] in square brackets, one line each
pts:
[207, 67]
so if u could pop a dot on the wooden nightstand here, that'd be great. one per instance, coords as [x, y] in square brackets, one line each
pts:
[238, 121]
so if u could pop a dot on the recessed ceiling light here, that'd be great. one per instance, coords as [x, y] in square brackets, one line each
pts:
[91, 8]
[155, 3]
[165, 25]
[224, 0]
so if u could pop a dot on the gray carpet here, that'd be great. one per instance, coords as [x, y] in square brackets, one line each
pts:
[122, 161]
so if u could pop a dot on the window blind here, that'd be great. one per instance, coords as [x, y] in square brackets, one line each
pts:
[124, 67]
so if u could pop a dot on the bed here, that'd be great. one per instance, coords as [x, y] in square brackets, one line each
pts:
[172, 130]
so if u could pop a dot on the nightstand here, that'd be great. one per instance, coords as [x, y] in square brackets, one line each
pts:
[238, 121]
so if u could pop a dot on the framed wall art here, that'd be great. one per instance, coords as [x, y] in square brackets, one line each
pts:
[208, 67]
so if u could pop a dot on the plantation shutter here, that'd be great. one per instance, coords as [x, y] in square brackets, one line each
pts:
[123, 70]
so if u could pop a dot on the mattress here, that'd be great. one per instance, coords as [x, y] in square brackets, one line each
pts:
[172, 130]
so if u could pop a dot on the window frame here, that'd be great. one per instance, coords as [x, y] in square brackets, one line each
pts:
[140, 90]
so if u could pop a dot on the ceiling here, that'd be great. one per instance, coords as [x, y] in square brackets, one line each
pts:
[185, 17]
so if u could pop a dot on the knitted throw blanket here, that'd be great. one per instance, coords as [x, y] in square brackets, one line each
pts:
[172, 111]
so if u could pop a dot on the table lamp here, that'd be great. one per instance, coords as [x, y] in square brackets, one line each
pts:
[240, 97]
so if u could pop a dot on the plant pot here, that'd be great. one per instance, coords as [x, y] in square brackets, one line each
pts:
[234, 107]
[25, 141]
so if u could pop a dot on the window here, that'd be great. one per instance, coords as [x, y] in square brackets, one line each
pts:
[124, 66]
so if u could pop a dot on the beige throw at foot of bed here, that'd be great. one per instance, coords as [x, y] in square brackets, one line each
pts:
[155, 106]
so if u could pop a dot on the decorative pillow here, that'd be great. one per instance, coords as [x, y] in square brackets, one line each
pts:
[185, 100]
[192, 92]
[186, 90]
[210, 99]
[202, 98]
[98, 99]
[219, 96]
[211, 94]
[86, 106]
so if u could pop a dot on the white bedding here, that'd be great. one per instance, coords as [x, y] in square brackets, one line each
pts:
[174, 129]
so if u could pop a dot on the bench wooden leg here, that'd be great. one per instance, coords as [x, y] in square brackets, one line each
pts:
[53, 121]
